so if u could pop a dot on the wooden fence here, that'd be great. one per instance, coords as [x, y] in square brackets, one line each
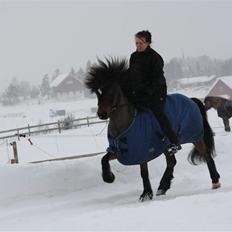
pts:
[49, 127]
[69, 157]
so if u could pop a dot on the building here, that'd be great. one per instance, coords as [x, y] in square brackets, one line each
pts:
[222, 87]
[67, 85]
[200, 81]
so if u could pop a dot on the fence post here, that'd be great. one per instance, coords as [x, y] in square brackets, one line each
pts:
[18, 133]
[29, 132]
[15, 160]
[59, 128]
[87, 120]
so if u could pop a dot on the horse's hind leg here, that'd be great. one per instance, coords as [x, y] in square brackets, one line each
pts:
[214, 175]
[226, 124]
[165, 182]
[202, 151]
[147, 190]
[107, 174]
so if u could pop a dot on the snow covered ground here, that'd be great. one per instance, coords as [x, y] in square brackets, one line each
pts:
[70, 194]
[34, 113]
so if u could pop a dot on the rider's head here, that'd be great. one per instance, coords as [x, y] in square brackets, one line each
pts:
[142, 40]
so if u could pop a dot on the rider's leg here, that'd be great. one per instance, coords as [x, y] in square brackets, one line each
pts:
[158, 111]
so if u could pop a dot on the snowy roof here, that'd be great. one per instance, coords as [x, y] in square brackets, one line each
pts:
[192, 80]
[227, 80]
[58, 80]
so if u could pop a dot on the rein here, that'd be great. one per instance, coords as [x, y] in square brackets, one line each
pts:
[117, 107]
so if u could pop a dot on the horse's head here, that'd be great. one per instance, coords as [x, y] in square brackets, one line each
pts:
[109, 99]
[104, 80]
[208, 103]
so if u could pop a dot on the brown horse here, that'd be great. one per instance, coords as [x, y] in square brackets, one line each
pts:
[223, 107]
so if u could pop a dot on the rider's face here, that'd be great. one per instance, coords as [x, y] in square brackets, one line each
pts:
[141, 44]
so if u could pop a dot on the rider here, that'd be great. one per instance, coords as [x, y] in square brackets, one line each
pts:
[151, 91]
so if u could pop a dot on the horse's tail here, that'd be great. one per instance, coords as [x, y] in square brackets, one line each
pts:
[194, 156]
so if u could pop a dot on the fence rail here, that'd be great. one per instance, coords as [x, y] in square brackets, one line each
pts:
[69, 157]
[48, 127]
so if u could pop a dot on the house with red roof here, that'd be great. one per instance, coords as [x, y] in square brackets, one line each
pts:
[222, 87]
[67, 84]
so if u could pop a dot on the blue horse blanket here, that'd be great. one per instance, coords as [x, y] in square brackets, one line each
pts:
[144, 140]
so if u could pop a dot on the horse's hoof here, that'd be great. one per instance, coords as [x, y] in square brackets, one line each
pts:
[160, 192]
[108, 178]
[216, 185]
[146, 196]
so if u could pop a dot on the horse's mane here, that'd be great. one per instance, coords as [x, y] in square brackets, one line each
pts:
[115, 70]
[106, 73]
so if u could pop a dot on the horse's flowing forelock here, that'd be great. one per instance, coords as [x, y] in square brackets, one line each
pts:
[105, 73]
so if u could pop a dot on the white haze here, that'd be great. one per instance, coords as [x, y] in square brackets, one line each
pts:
[39, 36]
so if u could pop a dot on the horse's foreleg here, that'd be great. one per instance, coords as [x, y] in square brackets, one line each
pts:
[213, 173]
[107, 174]
[226, 124]
[147, 190]
[165, 182]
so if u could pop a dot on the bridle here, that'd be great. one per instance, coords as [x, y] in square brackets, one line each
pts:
[116, 107]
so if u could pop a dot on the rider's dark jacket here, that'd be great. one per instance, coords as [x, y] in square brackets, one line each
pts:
[150, 82]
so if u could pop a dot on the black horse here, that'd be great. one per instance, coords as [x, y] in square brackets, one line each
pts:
[223, 107]
[135, 137]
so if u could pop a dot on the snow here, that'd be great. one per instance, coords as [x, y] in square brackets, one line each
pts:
[71, 195]
[34, 113]
[199, 92]
[226, 79]
[194, 80]
[58, 80]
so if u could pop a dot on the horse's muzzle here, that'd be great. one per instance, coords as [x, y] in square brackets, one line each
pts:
[102, 115]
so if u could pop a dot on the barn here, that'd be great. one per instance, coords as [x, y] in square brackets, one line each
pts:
[200, 81]
[67, 85]
[222, 87]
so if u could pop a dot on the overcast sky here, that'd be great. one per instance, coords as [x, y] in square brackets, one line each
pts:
[39, 36]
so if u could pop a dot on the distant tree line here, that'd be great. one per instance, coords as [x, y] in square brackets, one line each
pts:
[18, 91]
[175, 69]
[178, 68]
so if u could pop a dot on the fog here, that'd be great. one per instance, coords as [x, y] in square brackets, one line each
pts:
[39, 36]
